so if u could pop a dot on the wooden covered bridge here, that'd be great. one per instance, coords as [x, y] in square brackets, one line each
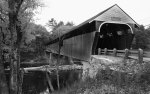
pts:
[111, 28]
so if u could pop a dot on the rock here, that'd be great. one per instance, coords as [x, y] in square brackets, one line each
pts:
[98, 62]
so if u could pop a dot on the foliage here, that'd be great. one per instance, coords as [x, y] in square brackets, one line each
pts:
[60, 31]
[59, 28]
[25, 16]
[53, 24]
[28, 30]
[14, 18]
[114, 82]
[35, 40]
[142, 38]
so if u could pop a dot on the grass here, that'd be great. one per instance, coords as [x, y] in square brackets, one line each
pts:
[134, 80]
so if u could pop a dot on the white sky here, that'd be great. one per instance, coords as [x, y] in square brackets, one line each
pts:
[78, 11]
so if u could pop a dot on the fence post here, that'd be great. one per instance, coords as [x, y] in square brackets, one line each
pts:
[114, 52]
[140, 55]
[126, 56]
[99, 51]
[105, 51]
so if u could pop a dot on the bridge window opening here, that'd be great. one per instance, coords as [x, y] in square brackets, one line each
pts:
[112, 35]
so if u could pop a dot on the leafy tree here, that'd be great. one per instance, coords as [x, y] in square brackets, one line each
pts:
[60, 31]
[15, 16]
[142, 38]
[53, 24]
[41, 36]
[59, 28]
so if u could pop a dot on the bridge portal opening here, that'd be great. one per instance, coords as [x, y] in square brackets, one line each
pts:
[114, 35]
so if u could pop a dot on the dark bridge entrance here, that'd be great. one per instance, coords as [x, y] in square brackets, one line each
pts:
[114, 35]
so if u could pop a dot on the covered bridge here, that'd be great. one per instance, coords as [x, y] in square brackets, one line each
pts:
[111, 28]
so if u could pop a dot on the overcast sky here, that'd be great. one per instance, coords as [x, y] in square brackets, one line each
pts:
[78, 11]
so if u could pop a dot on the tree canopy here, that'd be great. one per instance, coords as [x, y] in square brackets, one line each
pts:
[59, 28]
[141, 39]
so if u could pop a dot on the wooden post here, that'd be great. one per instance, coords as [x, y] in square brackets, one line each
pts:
[99, 51]
[126, 55]
[114, 52]
[140, 55]
[49, 82]
[105, 51]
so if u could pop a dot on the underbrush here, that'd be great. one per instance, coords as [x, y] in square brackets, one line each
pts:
[114, 82]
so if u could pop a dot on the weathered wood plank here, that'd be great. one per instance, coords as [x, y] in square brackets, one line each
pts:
[51, 68]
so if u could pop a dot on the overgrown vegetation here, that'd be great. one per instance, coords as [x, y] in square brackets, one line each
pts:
[114, 82]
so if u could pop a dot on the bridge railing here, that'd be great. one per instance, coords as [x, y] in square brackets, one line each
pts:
[136, 54]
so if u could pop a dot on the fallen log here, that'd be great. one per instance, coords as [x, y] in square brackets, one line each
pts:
[52, 68]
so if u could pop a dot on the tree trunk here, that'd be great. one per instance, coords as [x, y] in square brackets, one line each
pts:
[20, 73]
[13, 54]
[16, 75]
[3, 82]
[13, 72]
[16, 36]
